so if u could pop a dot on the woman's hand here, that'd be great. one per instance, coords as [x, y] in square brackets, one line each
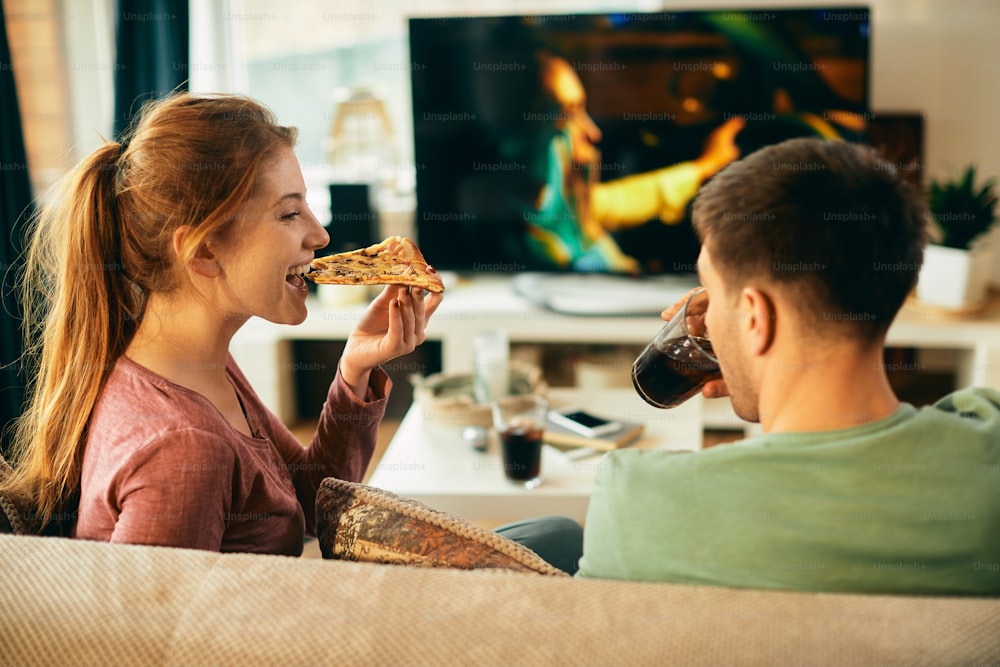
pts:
[393, 325]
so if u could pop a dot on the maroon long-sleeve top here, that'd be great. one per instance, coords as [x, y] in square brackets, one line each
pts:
[163, 466]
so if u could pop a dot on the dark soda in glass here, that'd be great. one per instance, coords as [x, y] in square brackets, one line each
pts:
[675, 370]
[521, 450]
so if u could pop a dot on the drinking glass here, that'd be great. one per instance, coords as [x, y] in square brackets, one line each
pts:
[679, 361]
[490, 365]
[520, 423]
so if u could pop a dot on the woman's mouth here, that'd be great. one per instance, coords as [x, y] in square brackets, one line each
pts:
[294, 277]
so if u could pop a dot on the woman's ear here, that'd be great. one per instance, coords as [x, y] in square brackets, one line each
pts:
[759, 319]
[203, 262]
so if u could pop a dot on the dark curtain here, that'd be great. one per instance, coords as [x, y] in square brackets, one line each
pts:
[151, 47]
[15, 210]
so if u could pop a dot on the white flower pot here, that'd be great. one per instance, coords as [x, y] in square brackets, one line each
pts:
[952, 278]
[994, 243]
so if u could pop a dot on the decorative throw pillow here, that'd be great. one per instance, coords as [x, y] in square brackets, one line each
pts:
[21, 518]
[364, 523]
[10, 515]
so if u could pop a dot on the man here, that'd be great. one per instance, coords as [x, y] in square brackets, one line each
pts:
[809, 249]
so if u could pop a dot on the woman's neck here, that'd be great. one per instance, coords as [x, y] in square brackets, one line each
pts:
[183, 340]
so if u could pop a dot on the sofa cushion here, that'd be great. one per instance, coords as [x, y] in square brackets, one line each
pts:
[363, 523]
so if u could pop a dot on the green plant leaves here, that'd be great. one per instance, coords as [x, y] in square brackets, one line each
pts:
[962, 211]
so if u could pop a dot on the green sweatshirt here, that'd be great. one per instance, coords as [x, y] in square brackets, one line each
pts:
[907, 504]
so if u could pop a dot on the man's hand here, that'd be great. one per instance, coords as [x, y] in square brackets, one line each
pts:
[676, 308]
[712, 388]
[715, 389]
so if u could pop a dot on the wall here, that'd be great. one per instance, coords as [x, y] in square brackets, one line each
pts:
[35, 38]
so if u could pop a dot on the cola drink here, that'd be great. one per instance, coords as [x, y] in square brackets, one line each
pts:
[521, 451]
[672, 371]
[520, 423]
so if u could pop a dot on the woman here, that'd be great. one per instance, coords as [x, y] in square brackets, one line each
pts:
[154, 253]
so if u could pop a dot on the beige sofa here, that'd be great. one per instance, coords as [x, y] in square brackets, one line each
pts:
[69, 602]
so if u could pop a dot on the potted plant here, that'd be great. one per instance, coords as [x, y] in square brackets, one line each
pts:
[957, 262]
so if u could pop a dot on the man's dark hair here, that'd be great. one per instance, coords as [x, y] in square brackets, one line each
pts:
[828, 218]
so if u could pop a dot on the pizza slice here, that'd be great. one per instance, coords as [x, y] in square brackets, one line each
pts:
[395, 261]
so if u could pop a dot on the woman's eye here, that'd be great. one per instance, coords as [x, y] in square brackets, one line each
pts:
[292, 215]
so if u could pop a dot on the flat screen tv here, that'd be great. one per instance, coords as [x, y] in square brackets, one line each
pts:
[575, 143]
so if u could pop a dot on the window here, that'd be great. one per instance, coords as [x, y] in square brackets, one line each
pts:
[307, 57]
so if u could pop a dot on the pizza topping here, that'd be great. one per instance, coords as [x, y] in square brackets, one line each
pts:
[396, 260]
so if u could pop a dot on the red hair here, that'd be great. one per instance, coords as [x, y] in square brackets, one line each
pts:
[103, 245]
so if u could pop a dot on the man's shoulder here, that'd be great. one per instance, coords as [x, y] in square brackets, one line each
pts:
[980, 403]
[973, 409]
[632, 467]
[970, 415]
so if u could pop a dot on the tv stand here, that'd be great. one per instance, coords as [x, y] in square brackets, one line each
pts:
[485, 302]
[600, 294]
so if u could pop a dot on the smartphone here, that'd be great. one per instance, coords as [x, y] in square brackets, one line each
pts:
[582, 422]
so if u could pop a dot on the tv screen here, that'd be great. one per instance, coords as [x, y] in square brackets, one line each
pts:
[575, 143]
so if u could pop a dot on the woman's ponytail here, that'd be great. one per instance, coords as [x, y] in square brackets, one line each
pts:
[78, 318]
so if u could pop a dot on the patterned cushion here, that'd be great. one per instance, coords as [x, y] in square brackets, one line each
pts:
[10, 515]
[22, 518]
[363, 523]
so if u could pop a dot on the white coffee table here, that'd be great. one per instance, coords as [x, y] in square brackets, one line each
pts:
[431, 463]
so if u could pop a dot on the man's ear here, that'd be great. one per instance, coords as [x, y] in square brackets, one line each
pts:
[759, 322]
[204, 262]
